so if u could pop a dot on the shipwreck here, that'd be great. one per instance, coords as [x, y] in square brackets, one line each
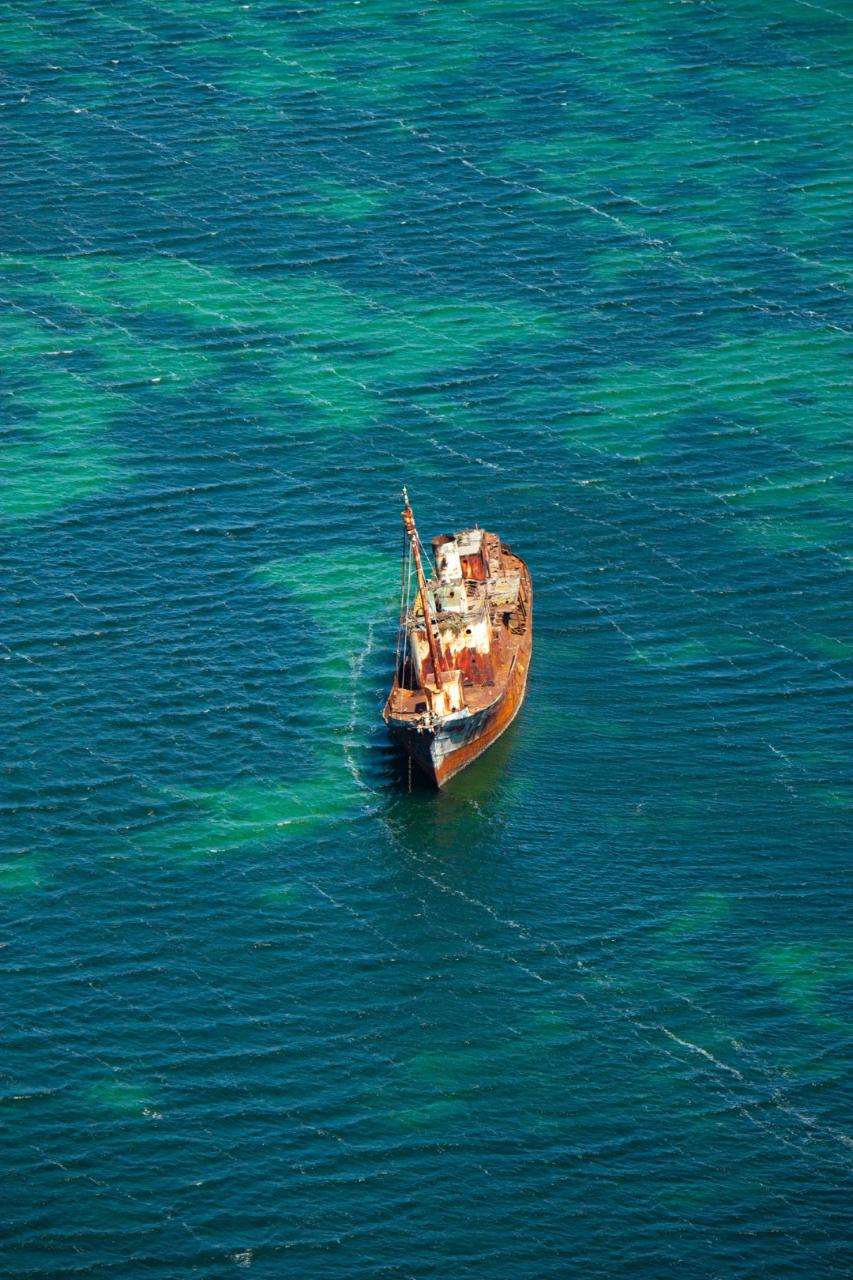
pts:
[463, 650]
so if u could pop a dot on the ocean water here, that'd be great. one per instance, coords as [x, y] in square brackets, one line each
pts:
[576, 271]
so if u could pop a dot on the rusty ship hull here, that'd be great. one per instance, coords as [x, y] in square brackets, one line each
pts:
[441, 752]
[469, 640]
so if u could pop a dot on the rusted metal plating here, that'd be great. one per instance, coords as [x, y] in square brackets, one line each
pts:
[470, 635]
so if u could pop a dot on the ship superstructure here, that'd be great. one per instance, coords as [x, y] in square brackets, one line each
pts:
[464, 648]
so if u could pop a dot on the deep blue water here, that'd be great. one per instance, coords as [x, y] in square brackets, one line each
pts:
[580, 274]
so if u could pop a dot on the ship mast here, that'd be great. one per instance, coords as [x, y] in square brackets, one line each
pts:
[409, 526]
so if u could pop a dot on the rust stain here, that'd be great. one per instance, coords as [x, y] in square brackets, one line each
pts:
[474, 620]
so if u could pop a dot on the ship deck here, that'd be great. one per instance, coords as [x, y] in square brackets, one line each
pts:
[410, 705]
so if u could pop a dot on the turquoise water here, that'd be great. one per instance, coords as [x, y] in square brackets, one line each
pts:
[578, 272]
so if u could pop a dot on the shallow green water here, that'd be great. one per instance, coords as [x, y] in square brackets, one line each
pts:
[579, 273]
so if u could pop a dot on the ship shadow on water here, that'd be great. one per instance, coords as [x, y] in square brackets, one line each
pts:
[454, 827]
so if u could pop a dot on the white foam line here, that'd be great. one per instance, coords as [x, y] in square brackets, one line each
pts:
[697, 1048]
[804, 4]
[362, 920]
